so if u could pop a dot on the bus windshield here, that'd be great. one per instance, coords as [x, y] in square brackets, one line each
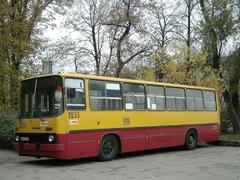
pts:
[41, 97]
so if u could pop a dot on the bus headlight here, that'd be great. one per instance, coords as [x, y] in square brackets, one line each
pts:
[51, 138]
[17, 138]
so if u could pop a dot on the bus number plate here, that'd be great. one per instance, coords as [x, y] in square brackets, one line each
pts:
[73, 115]
[24, 138]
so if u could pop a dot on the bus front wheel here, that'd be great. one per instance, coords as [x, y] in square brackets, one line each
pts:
[191, 139]
[109, 148]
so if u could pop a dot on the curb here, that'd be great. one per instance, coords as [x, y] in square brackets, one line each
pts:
[226, 143]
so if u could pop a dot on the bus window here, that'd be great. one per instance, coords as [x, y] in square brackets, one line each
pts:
[41, 97]
[134, 97]
[175, 98]
[155, 98]
[48, 99]
[105, 95]
[26, 98]
[209, 100]
[74, 92]
[194, 99]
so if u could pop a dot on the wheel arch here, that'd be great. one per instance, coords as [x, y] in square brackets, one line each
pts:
[115, 135]
[192, 129]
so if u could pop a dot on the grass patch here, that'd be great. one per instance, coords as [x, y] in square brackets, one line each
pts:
[229, 140]
[230, 137]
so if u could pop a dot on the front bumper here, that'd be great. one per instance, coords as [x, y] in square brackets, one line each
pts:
[38, 147]
[40, 150]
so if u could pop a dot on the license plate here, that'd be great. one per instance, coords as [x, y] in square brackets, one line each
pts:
[24, 138]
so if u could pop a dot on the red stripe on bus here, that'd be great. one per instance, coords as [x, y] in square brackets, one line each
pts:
[86, 144]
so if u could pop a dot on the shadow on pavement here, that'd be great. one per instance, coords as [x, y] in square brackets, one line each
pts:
[59, 163]
[159, 151]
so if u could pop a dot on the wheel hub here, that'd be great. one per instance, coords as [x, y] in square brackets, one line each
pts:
[191, 139]
[107, 147]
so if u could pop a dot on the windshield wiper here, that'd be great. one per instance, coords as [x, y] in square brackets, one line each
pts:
[40, 116]
[42, 119]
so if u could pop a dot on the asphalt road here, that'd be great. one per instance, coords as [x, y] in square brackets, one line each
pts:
[203, 163]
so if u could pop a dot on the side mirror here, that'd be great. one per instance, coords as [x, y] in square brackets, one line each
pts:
[71, 92]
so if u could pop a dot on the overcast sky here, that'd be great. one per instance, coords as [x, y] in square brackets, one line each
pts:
[55, 33]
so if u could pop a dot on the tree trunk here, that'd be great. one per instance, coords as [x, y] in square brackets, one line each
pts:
[97, 70]
[233, 115]
[14, 80]
[119, 69]
[235, 101]
[96, 54]
[158, 71]
[234, 118]
[75, 64]
[188, 30]
[214, 49]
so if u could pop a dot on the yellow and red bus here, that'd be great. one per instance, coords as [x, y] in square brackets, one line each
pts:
[71, 116]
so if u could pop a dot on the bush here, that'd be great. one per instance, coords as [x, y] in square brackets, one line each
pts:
[226, 124]
[7, 127]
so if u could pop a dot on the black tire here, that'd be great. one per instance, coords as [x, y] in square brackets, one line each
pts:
[191, 139]
[109, 148]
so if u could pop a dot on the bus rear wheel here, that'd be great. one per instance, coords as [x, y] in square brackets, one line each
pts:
[109, 148]
[191, 139]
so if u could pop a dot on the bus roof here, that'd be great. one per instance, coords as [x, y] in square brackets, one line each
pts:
[84, 76]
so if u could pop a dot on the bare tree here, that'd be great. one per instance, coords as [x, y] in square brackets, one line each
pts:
[190, 27]
[68, 51]
[162, 26]
[85, 19]
[124, 25]
[188, 31]
[109, 63]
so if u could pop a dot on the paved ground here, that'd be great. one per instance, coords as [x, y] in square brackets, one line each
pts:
[203, 163]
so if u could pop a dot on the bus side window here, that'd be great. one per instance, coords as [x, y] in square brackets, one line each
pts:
[175, 98]
[105, 95]
[209, 100]
[155, 98]
[75, 95]
[134, 97]
[194, 99]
